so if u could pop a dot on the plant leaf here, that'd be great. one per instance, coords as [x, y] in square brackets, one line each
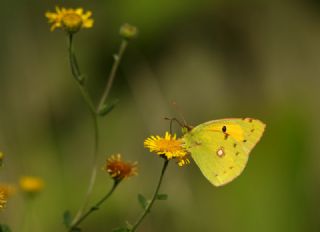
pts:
[143, 201]
[67, 218]
[129, 226]
[162, 197]
[108, 107]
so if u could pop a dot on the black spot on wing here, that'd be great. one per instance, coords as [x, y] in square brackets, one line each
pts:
[224, 129]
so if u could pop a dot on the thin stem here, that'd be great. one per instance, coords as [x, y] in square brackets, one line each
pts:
[75, 70]
[93, 172]
[95, 206]
[78, 76]
[93, 110]
[112, 75]
[27, 220]
[73, 60]
[154, 197]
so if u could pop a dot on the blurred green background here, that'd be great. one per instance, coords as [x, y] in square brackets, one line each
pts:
[214, 58]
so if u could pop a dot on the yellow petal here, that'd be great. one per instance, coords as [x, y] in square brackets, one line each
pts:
[87, 15]
[58, 10]
[79, 11]
[51, 16]
[88, 23]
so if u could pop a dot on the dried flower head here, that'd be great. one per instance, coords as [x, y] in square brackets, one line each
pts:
[70, 20]
[31, 184]
[168, 147]
[119, 169]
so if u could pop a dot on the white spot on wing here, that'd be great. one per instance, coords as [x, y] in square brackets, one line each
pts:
[220, 152]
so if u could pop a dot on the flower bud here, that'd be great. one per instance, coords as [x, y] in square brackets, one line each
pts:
[128, 31]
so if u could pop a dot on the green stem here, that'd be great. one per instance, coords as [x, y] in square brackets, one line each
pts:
[27, 221]
[93, 172]
[94, 207]
[93, 110]
[73, 61]
[78, 77]
[112, 75]
[154, 197]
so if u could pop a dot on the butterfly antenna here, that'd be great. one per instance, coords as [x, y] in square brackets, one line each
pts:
[177, 109]
[173, 120]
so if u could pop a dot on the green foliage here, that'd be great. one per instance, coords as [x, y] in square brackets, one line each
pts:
[4, 228]
[67, 218]
[108, 107]
[162, 197]
[129, 226]
[123, 229]
[143, 201]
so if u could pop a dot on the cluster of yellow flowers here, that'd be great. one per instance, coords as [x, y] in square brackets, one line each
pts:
[72, 20]
[168, 147]
[28, 184]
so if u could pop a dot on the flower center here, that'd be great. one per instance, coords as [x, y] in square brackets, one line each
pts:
[71, 22]
[168, 145]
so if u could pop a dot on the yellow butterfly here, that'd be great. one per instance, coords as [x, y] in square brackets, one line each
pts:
[221, 148]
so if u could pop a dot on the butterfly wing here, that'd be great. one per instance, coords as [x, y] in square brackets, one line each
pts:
[221, 148]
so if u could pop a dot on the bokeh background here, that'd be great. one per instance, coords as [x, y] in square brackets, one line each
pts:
[215, 59]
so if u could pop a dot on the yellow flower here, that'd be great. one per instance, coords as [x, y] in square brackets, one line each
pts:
[3, 199]
[168, 147]
[7, 189]
[31, 184]
[119, 169]
[181, 161]
[1, 158]
[70, 20]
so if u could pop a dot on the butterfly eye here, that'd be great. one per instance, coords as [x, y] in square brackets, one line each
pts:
[224, 129]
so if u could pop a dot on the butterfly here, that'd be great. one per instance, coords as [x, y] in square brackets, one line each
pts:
[221, 148]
